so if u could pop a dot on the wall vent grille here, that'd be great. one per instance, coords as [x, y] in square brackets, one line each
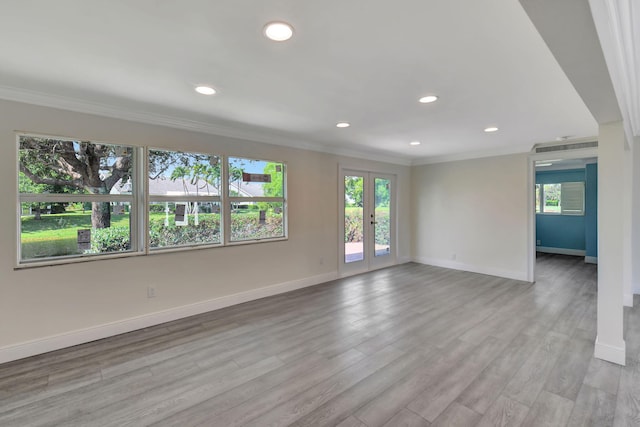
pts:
[565, 147]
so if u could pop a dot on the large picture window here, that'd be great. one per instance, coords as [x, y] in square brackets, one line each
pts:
[256, 199]
[80, 199]
[76, 198]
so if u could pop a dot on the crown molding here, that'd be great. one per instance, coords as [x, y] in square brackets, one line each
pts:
[617, 25]
[122, 113]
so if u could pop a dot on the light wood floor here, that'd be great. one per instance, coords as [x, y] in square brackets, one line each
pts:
[411, 345]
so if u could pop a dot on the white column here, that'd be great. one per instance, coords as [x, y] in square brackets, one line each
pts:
[635, 218]
[627, 204]
[610, 343]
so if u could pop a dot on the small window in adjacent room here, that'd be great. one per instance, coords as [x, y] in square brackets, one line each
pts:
[184, 199]
[257, 202]
[76, 198]
[566, 198]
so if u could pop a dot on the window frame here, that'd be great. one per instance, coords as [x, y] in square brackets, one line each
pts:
[151, 198]
[562, 212]
[135, 217]
[265, 199]
[140, 201]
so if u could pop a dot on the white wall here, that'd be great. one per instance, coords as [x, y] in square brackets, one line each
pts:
[43, 308]
[476, 209]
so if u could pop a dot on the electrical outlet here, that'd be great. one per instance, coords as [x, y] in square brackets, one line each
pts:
[151, 292]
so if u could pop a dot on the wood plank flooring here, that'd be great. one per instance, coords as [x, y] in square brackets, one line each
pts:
[411, 345]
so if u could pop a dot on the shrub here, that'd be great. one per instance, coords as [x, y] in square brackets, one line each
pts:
[112, 239]
[207, 231]
[246, 227]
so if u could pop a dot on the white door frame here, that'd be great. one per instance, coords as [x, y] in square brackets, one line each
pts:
[370, 261]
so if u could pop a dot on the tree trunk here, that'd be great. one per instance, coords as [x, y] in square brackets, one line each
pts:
[100, 215]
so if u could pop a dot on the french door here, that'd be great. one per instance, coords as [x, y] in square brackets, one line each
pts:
[367, 225]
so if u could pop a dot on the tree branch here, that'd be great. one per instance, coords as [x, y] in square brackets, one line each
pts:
[77, 183]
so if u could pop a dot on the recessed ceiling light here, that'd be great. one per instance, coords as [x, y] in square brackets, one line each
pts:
[343, 125]
[491, 129]
[278, 31]
[427, 99]
[206, 90]
[414, 143]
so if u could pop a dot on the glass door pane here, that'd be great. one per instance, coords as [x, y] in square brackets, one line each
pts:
[382, 217]
[353, 218]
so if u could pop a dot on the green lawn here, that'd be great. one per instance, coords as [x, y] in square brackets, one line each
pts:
[57, 234]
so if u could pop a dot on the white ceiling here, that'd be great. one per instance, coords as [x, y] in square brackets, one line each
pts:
[362, 61]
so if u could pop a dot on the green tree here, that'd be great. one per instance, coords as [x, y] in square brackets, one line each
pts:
[382, 192]
[76, 166]
[274, 188]
[353, 187]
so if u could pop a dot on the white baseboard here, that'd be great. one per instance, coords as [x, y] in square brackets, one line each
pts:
[591, 259]
[627, 300]
[455, 265]
[561, 251]
[610, 353]
[68, 339]
[404, 259]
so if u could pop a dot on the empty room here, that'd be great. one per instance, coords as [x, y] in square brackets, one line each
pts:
[320, 213]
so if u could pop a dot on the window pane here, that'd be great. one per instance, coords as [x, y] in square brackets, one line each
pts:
[174, 173]
[551, 193]
[174, 224]
[255, 178]
[353, 219]
[382, 225]
[62, 229]
[537, 196]
[58, 166]
[257, 220]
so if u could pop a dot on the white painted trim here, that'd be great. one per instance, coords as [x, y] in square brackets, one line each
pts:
[560, 251]
[68, 339]
[268, 136]
[610, 353]
[627, 300]
[404, 259]
[454, 265]
[616, 25]
[531, 220]
[591, 259]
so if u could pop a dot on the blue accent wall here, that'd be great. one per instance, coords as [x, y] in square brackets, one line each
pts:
[591, 209]
[561, 231]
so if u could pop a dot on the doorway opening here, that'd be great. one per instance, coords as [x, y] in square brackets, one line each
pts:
[563, 215]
